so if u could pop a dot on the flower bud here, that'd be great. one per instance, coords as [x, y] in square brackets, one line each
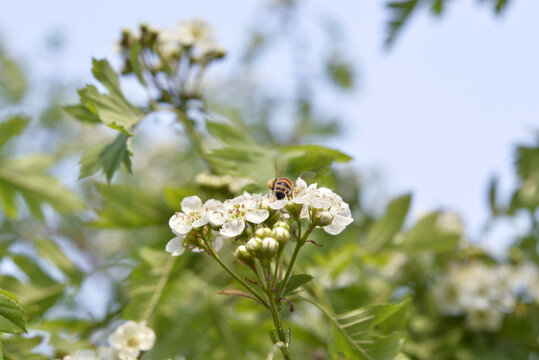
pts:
[243, 255]
[293, 209]
[270, 246]
[281, 235]
[323, 218]
[281, 224]
[254, 244]
[263, 232]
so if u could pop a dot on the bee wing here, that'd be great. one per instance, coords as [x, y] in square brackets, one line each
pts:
[307, 175]
[279, 165]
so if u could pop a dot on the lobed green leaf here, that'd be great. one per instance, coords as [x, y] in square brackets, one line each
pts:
[107, 157]
[383, 231]
[295, 282]
[11, 128]
[11, 314]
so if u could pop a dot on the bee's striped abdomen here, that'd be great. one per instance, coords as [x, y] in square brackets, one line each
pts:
[282, 187]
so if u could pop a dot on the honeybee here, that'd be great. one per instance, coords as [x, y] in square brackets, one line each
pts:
[281, 186]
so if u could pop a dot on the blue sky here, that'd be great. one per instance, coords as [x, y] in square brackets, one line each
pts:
[437, 115]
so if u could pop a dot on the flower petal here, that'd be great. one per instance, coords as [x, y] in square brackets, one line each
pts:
[216, 218]
[333, 229]
[202, 221]
[191, 203]
[278, 204]
[319, 203]
[175, 246]
[301, 184]
[218, 242]
[178, 224]
[257, 216]
[232, 228]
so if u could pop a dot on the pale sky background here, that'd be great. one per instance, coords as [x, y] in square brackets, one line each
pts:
[437, 115]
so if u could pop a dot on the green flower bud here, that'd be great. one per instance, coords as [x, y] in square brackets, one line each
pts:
[281, 224]
[243, 255]
[294, 209]
[263, 232]
[254, 244]
[281, 235]
[270, 246]
[323, 218]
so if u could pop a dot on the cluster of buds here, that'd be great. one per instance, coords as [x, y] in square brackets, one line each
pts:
[266, 243]
[127, 342]
[171, 61]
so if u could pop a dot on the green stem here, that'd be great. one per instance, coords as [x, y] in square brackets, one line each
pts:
[235, 276]
[300, 242]
[196, 139]
[277, 321]
[159, 289]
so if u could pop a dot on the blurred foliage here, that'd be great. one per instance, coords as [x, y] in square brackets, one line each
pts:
[401, 11]
[80, 258]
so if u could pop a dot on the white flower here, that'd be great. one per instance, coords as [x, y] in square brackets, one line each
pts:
[450, 222]
[342, 216]
[236, 211]
[175, 246]
[194, 32]
[130, 339]
[193, 215]
[484, 319]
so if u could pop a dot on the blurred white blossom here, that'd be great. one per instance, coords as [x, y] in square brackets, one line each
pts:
[126, 343]
[130, 339]
[483, 294]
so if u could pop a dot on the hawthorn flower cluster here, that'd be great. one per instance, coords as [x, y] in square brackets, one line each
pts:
[127, 342]
[483, 294]
[199, 224]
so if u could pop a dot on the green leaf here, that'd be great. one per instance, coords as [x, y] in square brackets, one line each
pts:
[228, 134]
[527, 161]
[112, 109]
[501, 5]
[136, 53]
[150, 282]
[35, 298]
[13, 83]
[21, 348]
[357, 334]
[26, 177]
[49, 250]
[82, 113]
[107, 157]
[438, 6]
[300, 158]
[11, 128]
[295, 282]
[383, 231]
[129, 207]
[340, 72]
[426, 235]
[492, 196]
[401, 11]
[11, 315]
